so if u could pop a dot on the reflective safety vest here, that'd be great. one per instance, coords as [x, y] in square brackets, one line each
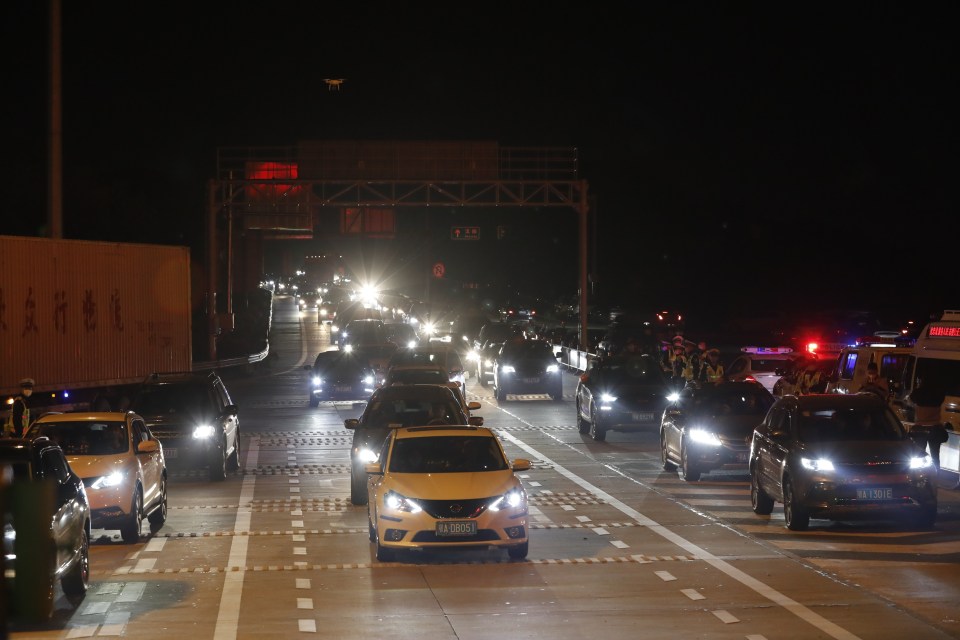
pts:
[9, 428]
[713, 373]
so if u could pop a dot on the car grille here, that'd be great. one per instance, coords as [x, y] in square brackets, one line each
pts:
[461, 509]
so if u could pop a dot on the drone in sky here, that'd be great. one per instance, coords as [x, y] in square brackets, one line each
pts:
[333, 84]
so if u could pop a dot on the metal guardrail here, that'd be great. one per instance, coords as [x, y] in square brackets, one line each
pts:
[239, 361]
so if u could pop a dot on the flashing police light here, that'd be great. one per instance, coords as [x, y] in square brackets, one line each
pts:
[767, 350]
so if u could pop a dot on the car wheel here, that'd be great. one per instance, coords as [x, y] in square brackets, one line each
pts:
[582, 425]
[482, 378]
[130, 530]
[358, 486]
[558, 394]
[159, 515]
[314, 401]
[498, 392]
[597, 432]
[385, 554]
[665, 462]
[688, 471]
[233, 462]
[218, 463]
[75, 581]
[760, 501]
[794, 516]
[518, 552]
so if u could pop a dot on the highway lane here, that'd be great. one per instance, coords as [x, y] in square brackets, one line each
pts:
[618, 546]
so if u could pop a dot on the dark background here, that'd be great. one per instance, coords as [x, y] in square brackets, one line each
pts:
[743, 156]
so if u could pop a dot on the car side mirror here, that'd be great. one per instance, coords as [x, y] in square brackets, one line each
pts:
[147, 446]
[475, 421]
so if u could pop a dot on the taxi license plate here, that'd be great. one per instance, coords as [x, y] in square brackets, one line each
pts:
[457, 528]
[643, 417]
[885, 493]
[169, 452]
[532, 380]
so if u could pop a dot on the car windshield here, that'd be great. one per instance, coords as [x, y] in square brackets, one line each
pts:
[85, 438]
[411, 412]
[849, 424]
[447, 454]
[170, 399]
[639, 369]
[743, 402]
[418, 376]
[527, 350]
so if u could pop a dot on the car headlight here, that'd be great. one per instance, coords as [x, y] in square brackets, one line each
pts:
[411, 344]
[368, 379]
[673, 397]
[111, 480]
[704, 436]
[203, 432]
[607, 398]
[508, 368]
[348, 348]
[514, 499]
[553, 368]
[399, 502]
[366, 455]
[816, 464]
[921, 462]
[317, 381]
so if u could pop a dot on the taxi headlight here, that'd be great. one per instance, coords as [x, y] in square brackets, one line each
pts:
[513, 499]
[398, 502]
[203, 432]
[111, 480]
[921, 462]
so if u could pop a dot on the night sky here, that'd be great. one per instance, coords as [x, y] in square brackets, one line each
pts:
[742, 155]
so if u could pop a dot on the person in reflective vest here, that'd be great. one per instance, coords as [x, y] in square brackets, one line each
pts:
[712, 369]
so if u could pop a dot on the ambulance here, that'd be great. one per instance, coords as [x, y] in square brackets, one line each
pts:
[936, 358]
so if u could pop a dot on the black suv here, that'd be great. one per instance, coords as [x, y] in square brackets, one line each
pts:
[194, 418]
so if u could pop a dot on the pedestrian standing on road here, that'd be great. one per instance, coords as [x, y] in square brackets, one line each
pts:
[875, 384]
[927, 398]
[19, 418]
[712, 369]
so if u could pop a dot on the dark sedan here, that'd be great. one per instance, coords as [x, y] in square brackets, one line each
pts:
[840, 457]
[406, 405]
[709, 427]
[527, 367]
[340, 376]
[621, 393]
[46, 527]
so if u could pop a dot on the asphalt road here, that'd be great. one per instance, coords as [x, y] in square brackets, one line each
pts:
[619, 547]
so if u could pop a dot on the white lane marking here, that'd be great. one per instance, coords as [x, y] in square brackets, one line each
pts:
[229, 611]
[155, 545]
[761, 588]
[132, 592]
[304, 603]
[600, 531]
[95, 608]
[307, 626]
[299, 551]
[584, 519]
[296, 523]
[114, 624]
[666, 576]
[303, 583]
[299, 537]
[82, 631]
[146, 564]
[725, 616]
[620, 544]
[693, 594]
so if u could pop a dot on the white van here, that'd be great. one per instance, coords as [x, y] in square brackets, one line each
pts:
[851, 369]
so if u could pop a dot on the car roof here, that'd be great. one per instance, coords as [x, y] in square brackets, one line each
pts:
[85, 416]
[418, 391]
[443, 430]
[827, 401]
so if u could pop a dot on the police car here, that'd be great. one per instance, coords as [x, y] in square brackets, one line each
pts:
[765, 365]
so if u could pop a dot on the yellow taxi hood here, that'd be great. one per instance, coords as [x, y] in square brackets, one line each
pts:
[454, 486]
[94, 466]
